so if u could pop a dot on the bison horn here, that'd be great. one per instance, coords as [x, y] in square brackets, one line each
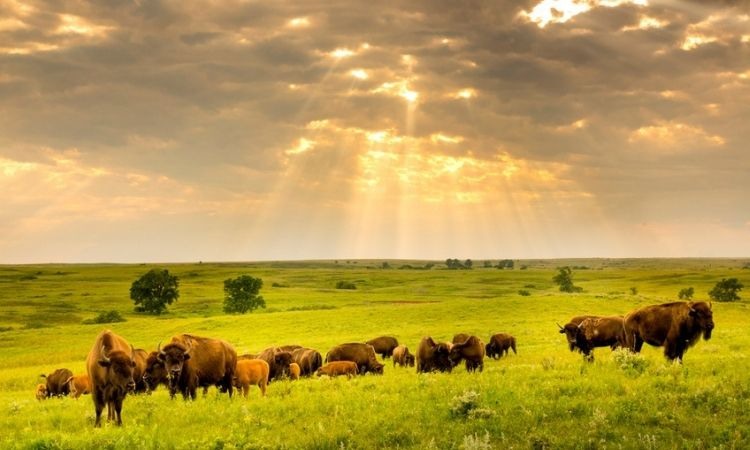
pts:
[158, 349]
[132, 353]
[710, 305]
[559, 326]
[580, 325]
[189, 347]
[104, 354]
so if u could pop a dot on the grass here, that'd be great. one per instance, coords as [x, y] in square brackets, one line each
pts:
[544, 397]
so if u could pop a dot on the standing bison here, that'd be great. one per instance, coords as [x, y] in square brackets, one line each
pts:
[470, 350]
[251, 372]
[79, 385]
[57, 382]
[309, 360]
[278, 362]
[193, 361]
[384, 345]
[154, 372]
[675, 326]
[432, 356]
[361, 354]
[599, 332]
[110, 365]
[402, 357]
[499, 345]
[570, 330]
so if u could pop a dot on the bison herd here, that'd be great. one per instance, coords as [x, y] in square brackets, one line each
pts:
[188, 362]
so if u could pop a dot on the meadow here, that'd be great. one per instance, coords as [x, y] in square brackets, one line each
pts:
[543, 397]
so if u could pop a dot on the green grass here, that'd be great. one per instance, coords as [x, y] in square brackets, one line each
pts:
[544, 397]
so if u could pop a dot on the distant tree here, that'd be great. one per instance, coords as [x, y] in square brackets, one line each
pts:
[154, 290]
[468, 264]
[505, 264]
[686, 293]
[634, 290]
[564, 279]
[453, 264]
[241, 294]
[385, 265]
[429, 266]
[726, 290]
[487, 264]
[345, 285]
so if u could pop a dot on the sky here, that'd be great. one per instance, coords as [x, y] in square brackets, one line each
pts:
[168, 131]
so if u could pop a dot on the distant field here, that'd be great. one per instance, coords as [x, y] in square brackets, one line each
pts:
[544, 397]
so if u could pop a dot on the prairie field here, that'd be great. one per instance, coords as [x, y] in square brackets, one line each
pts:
[543, 397]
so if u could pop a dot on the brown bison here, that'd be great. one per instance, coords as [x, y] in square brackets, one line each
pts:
[336, 368]
[675, 326]
[308, 360]
[362, 354]
[460, 337]
[154, 372]
[79, 385]
[57, 382]
[251, 372]
[141, 356]
[194, 361]
[402, 357]
[41, 391]
[278, 362]
[110, 365]
[470, 350]
[570, 330]
[499, 345]
[384, 345]
[432, 356]
[289, 348]
[294, 371]
[248, 356]
[599, 332]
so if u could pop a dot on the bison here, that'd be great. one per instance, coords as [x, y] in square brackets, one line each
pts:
[141, 357]
[294, 371]
[599, 332]
[308, 360]
[41, 391]
[79, 385]
[499, 345]
[470, 350]
[362, 354]
[570, 330]
[278, 362]
[384, 345]
[336, 368]
[675, 326]
[251, 372]
[154, 372]
[194, 361]
[110, 365]
[432, 356]
[57, 382]
[460, 337]
[402, 357]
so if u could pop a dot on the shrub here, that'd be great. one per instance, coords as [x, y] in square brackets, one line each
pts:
[686, 293]
[564, 279]
[476, 442]
[634, 290]
[463, 404]
[633, 363]
[726, 290]
[105, 317]
[524, 292]
[241, 294]
[345, 285]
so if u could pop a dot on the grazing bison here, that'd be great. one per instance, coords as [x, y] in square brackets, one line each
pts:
[79, 385]
[336, 368]
[402, 357]
[432, 356]
[57, 382]
[460, 337]
[499, 345]
[278, 362]
[362, 354]
[41, 391]
[599, 332]
[289, 348]
[110, 365]
[675, 326]
[570, 330]
[384, 345]
[470, 350]
[294, 371]
[251, 372]
[194, 361]
[154, 372]
[141, 357]
[308, 360]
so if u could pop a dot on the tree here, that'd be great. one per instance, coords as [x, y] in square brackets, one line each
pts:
[241, 294]
[726, 290]
[153, 291]
[686, 293]
[468, 264]
[564, 279]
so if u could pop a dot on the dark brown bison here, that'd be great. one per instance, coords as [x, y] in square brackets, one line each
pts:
[499, 345]
[599, 332]
[362, 354]
[79, 385]
[289, 348]
[141, 356]
[251, 372]
[194, 361]
[308, 360]
[384, 345]
[57, 382]
[675, 326]
[402, 357]
[110, 365]
[278, 362]
[432, 356]
[154, 372]
[570, 330]
[336, 368]
[470, 350]
[460, 337]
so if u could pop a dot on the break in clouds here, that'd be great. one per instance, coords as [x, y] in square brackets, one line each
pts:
[169, 131]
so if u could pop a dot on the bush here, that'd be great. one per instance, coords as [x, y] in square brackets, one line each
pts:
[463, 404]
[726, 290]
[564, 279]
[632, 363]
[241, 294]
[686, 293]
[345, 285]
[524, 292]
[105, 317]
[633, 290]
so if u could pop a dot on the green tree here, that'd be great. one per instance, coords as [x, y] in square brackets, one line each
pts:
[564, 279]
[154, 290]
[726, 290]
[241, 294]
[686, 293]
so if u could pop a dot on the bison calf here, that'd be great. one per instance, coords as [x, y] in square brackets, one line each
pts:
[251, 372]
[402, 357]
[337, 368]
[41, 391]
[499, 345]
[79, 385]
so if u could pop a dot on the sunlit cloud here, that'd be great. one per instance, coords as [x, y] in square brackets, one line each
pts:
[716, 28]
[341, 53]
[359, 74]
[298, 22]
[465, 93]
[399, 88]
[303, 145]
[71, 24]
[646, 23]
[675, 136]
[561, 11]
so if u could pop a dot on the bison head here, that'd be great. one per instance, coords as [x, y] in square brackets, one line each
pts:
[571, 334]
[173, 357]
[119, 367]
[155, 373]
[703, 317]
[409, 360]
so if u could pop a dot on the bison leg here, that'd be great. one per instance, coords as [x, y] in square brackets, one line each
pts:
[118, 409]
[262, 385]
[110, 411]
[98, 406]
